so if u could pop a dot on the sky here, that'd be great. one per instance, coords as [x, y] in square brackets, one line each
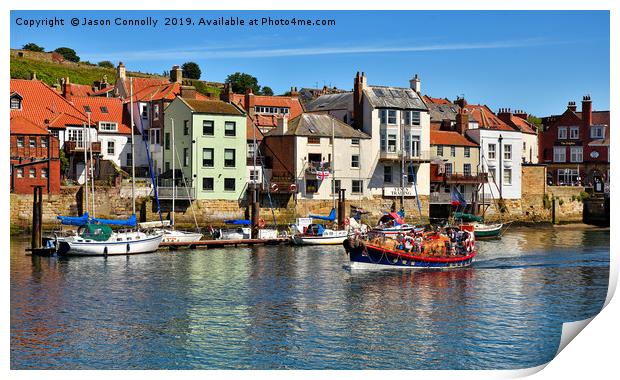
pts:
[531, 60]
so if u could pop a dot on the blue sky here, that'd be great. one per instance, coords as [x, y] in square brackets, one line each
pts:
[531, 60]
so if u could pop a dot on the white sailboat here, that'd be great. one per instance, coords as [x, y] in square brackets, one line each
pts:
[95, 236]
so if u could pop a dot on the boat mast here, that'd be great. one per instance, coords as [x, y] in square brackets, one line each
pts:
[85, 166]
[92, 174]
[333, 165]
[133, 157]
[174, 184]
[402, 166]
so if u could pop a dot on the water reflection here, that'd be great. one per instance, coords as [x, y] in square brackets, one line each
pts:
[284, 307]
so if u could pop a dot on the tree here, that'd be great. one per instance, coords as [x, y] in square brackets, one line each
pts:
[31, 46]
[242, 81]
[535, 120]
[64, 162]
[68, 54]
[106, 64]
[267, 91]
[191, 70]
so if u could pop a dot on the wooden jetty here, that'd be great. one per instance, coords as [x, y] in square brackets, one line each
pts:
[223, 243]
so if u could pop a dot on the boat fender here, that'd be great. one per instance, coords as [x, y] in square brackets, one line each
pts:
[274, 187]
[347, 221]
[261, 223]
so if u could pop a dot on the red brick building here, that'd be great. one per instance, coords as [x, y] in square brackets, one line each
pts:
[34, 157]
[575, 146]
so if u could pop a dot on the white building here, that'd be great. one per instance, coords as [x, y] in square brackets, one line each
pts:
[303, 146]
[398, 120]
[500, 151]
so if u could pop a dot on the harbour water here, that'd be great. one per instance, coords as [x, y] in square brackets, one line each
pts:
[283, 307]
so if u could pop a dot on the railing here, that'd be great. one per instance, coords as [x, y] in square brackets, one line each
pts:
[466, 178]
[420, 156]
[181, 193]
[314, 167]
[440, 198]
[78, 146]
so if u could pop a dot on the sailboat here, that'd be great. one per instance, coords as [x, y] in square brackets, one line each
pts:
[172, 235]
[95, 237]
[317, 233]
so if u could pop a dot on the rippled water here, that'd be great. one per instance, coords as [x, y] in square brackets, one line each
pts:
[286, 307]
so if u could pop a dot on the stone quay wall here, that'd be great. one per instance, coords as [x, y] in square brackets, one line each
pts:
[112, 202]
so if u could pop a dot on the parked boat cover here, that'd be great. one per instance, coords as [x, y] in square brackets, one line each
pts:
[131, 222]
[330, 218]
[468, 217]
[73, 220]
[242, 222]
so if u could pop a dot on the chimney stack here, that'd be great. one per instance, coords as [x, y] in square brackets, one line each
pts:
[250, 102]
[521, 114]
[358, 100]
[176, 74]
[294, 92]
[572, 106]
[586, 111]
[188, 92]
[227, 95]
[446, 125]
[460, 101]
[65, 83]
[414, 83]
[33, 76]
[282, 127]
[121, 73]
[462, 121]
[505, 114]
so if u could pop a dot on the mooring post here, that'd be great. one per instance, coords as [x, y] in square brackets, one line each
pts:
[554, 219]
[341, 211]
[255, 212]
[37, 204]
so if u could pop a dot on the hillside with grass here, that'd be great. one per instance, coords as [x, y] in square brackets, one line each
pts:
[83, 73]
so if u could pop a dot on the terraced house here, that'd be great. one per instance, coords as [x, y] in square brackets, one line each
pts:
[210, 148]
[398, 121]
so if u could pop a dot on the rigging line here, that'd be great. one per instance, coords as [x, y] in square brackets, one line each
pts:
[191, 204]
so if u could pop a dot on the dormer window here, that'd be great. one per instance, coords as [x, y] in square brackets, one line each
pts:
[108, 126]
[16, 102]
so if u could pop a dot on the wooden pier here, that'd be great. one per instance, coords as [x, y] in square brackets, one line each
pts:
[223, 243]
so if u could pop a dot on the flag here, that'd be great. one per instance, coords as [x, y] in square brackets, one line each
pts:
[457, 198]
[322, 173]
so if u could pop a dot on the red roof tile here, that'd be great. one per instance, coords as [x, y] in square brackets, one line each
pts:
[429, 99]
[450, 138]
[41, 103]
[292, 103]
[485, 118]
[113, 106]
[22, 126]
[103, 91]
[74, 89]
[523, 125]
[140, 84]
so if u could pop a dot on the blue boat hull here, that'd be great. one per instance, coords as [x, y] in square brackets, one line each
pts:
[372, 258]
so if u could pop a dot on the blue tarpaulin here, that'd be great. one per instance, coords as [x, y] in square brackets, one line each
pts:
[73, 220]
[330, 218]
[131, 222]
[242, 222]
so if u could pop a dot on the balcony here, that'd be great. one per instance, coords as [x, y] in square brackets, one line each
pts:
[420, 157]
[317, 167]
[282, 180]
[73, 147]
[456, 178]
[181, 193]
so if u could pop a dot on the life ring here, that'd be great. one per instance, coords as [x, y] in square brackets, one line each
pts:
[274, 187]
[261, 223]
[347, 221]
[292, 187]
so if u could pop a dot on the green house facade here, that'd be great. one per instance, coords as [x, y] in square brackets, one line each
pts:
[210, 147]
